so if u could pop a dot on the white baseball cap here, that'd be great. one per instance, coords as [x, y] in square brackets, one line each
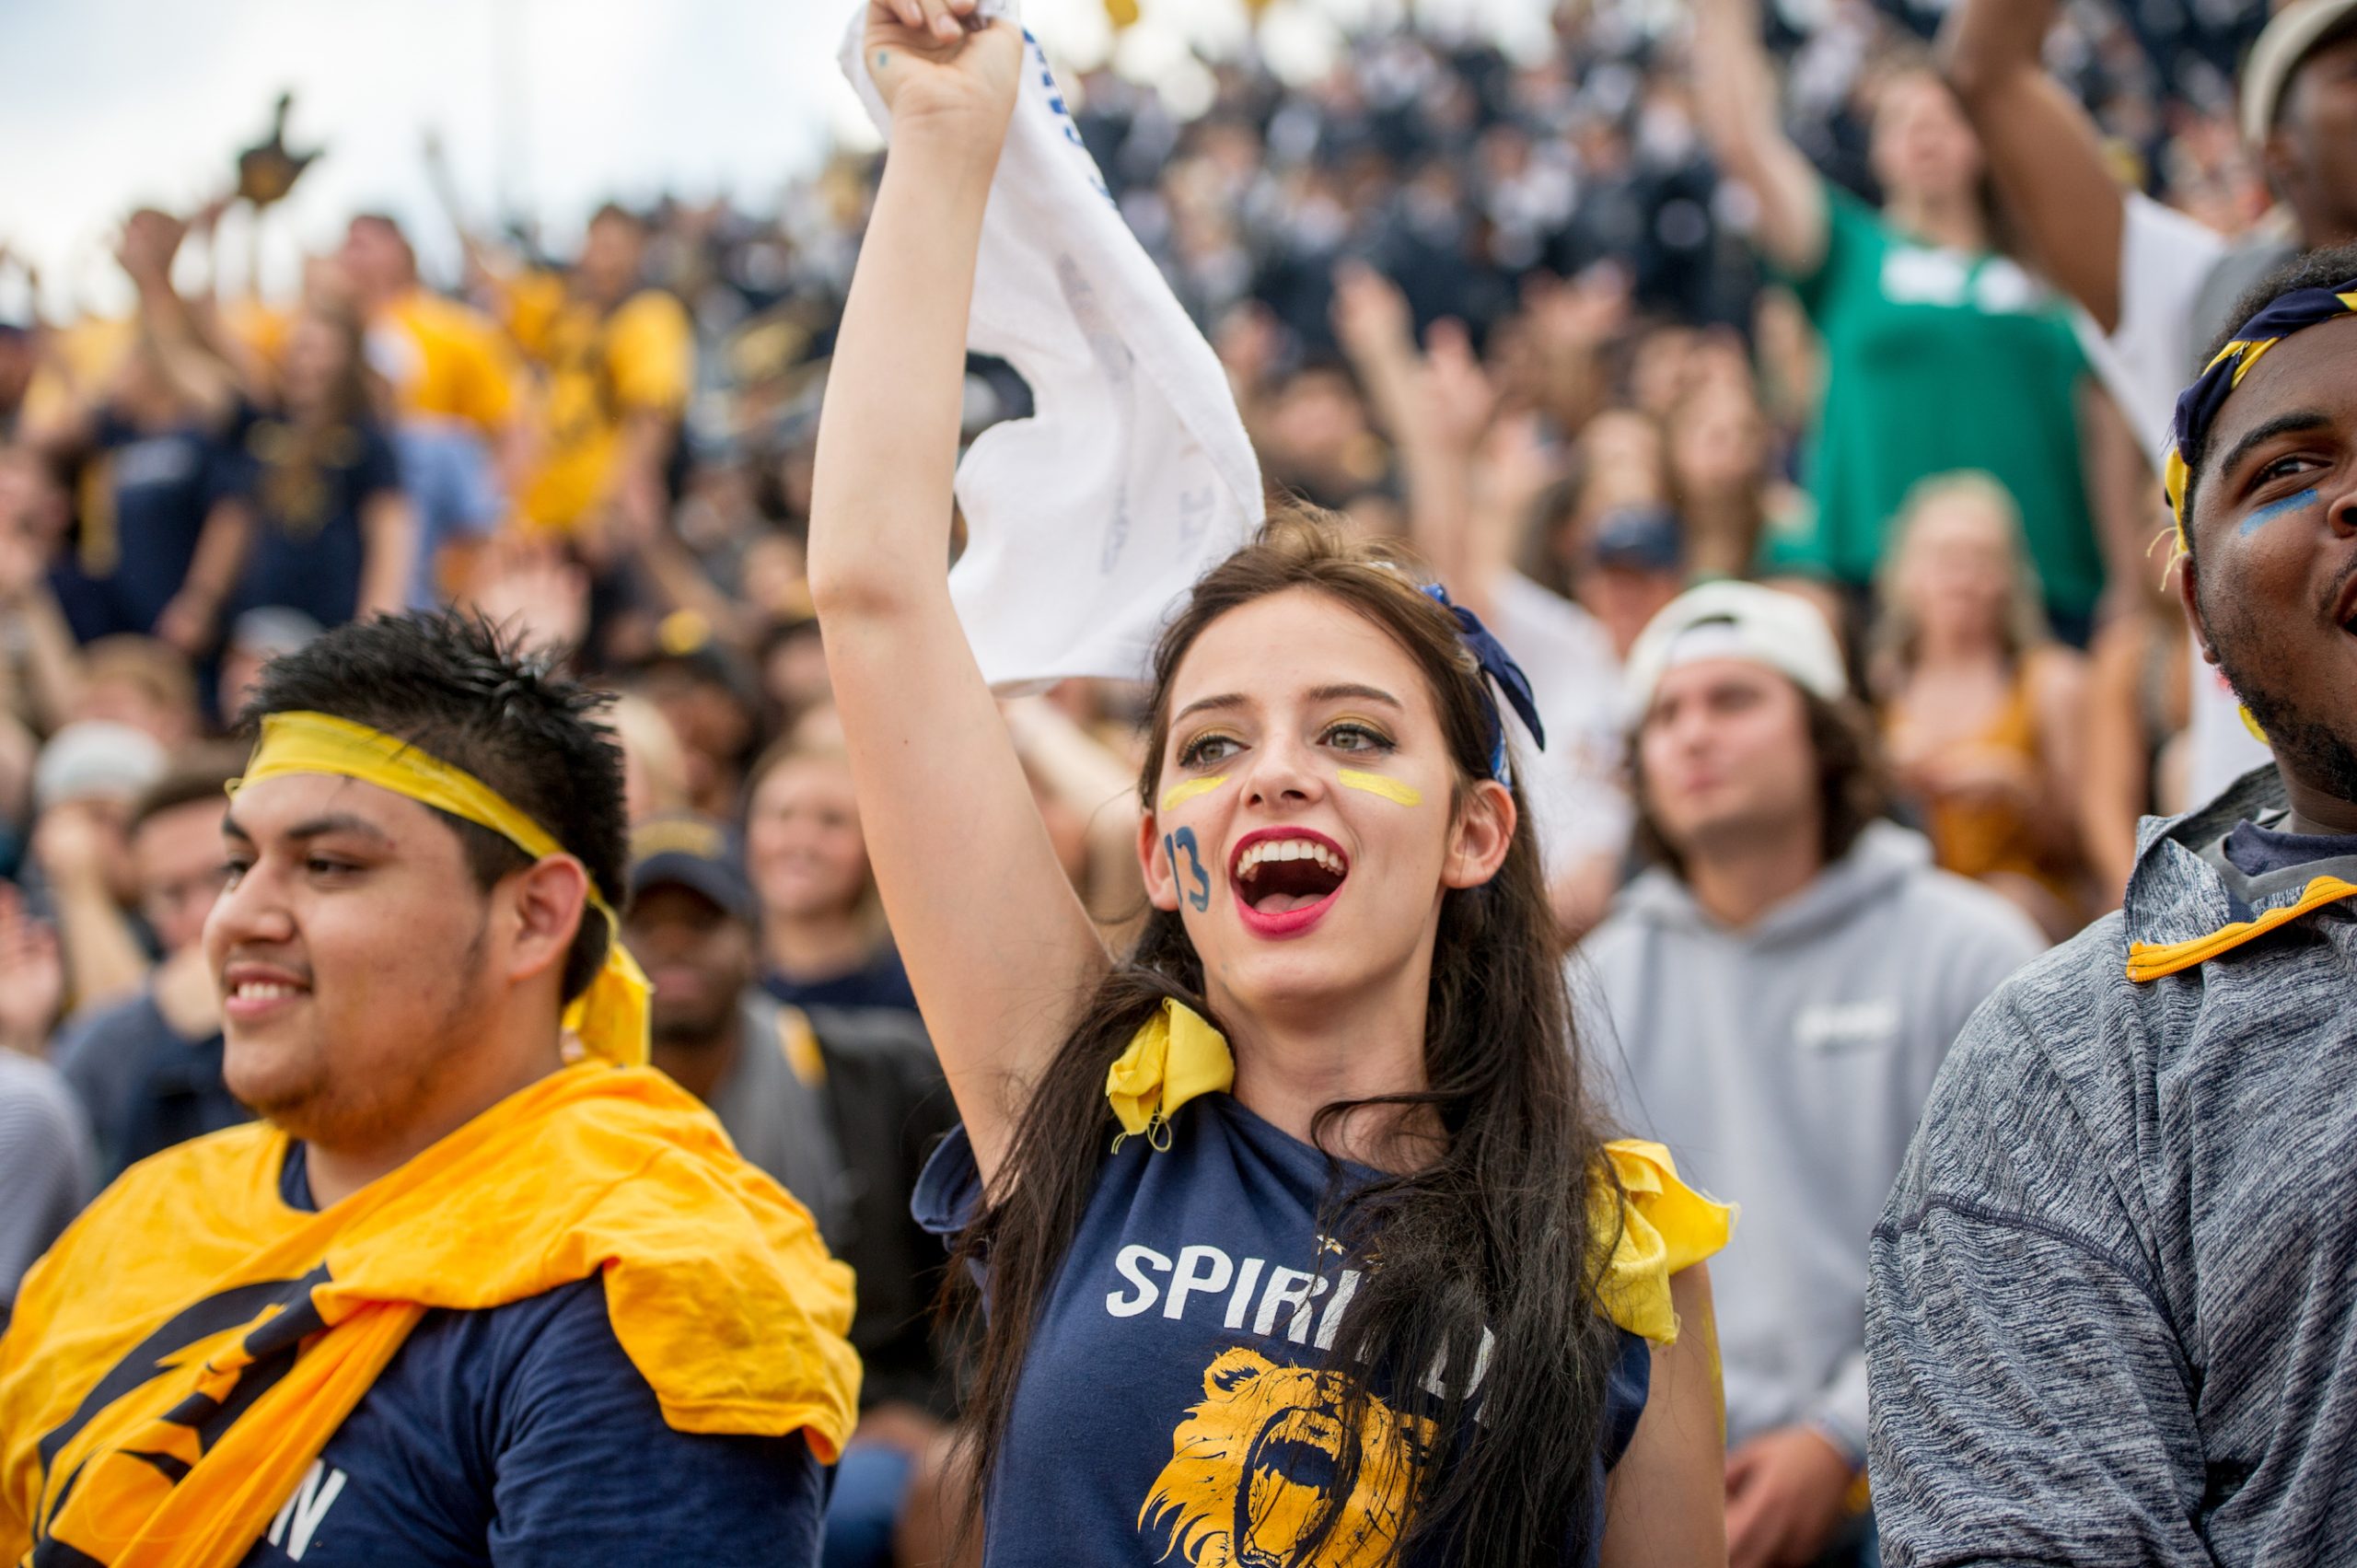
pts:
[96, 759]
[1739, 620]
[2291, 33]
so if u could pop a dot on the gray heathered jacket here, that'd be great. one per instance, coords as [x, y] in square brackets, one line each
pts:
[2113, 1309]
[1784, 1064]
[47, 1171]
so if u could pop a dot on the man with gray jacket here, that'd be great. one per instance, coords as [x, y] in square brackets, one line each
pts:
[1785, 982]
[2111, 1316]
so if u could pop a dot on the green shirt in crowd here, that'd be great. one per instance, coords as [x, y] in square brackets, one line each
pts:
[1938, 360]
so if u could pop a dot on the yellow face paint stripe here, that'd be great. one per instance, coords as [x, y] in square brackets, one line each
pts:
[1186, 790]
[1375, 784]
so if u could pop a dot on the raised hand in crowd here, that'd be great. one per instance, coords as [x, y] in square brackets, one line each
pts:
[41, 687]
[645, 535]
[532, 591]
[24, 553]
[1248, 341]
[917, 51]
[34, 990]
[192, 368]
[1571, 325]
[1735, 98]
[2045, 151]
[1453, 403]
[1434, 404]
[1374, 326]
[80, 850]
[146, 245]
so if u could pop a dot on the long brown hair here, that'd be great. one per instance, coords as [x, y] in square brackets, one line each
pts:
[298, 448]
[1494, 1234]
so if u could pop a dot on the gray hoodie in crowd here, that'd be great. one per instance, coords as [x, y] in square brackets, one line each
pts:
[2113, 1315]
[1783, 1064]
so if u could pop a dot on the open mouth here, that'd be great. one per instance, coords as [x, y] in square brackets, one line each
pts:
[1285, 877]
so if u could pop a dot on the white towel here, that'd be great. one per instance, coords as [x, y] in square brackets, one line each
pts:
[1088, 521]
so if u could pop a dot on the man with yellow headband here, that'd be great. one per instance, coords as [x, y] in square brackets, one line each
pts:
[2112, 1314]
[452, 1301]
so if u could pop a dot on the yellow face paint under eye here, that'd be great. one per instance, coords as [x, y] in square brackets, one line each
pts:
[1187, 789]
[1375, 784]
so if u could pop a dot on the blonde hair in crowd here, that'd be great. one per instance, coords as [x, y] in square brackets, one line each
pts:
[1891, 646]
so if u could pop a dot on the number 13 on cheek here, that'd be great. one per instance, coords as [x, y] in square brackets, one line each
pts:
[1183, 840]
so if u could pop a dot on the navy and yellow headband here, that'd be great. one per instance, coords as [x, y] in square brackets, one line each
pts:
[2198, 405]
[1501, 678]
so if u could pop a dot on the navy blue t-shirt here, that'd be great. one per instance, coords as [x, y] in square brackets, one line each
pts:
[145, 1087]
[2256, 850]
[310, 545]
[161, 486]
[1172, 1400]
[881, 981]
[524, 1436]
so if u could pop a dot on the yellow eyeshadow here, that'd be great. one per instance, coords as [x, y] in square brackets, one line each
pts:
[1187, 789]
[1375, 784]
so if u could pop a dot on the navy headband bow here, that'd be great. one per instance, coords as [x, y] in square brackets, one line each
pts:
[1504, 674]
[2198, 405]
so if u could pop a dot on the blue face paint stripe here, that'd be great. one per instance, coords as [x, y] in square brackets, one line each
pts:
[2275, 509]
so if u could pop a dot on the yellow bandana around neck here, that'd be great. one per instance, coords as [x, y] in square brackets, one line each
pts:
[610, 1017]
[1175, 1056]
[1663, 1228]
[179, 1360]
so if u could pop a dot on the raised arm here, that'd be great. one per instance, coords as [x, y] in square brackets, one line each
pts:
[1435, 404]
[2043, 150]
[1735, 92]
[998, 947]
[388, 546]
[209, 385]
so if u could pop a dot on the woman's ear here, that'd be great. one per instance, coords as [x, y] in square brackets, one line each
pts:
[1154, 862]
[1482, 833]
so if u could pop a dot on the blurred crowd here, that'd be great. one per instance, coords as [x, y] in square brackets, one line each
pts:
[1589, 330]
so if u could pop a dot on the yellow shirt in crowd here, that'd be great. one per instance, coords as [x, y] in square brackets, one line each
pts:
[86, 356]
[637, 358]
[444, 361]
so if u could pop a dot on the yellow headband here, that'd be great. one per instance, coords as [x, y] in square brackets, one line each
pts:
[610, 1017]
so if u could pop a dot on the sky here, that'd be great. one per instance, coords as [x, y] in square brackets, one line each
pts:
[551, 106]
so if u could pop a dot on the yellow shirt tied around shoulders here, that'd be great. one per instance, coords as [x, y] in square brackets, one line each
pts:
[601, 366]
[184, 1354]
[1663, 1227]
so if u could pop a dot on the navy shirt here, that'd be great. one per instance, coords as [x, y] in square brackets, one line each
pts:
[880, 982]
[1172, 1398]
[2256, 850]
[524, 1436]
[159, 486]
[310, 545]
[145, 1087]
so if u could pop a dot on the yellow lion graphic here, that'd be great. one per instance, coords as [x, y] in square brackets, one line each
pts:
[1253, 1467]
